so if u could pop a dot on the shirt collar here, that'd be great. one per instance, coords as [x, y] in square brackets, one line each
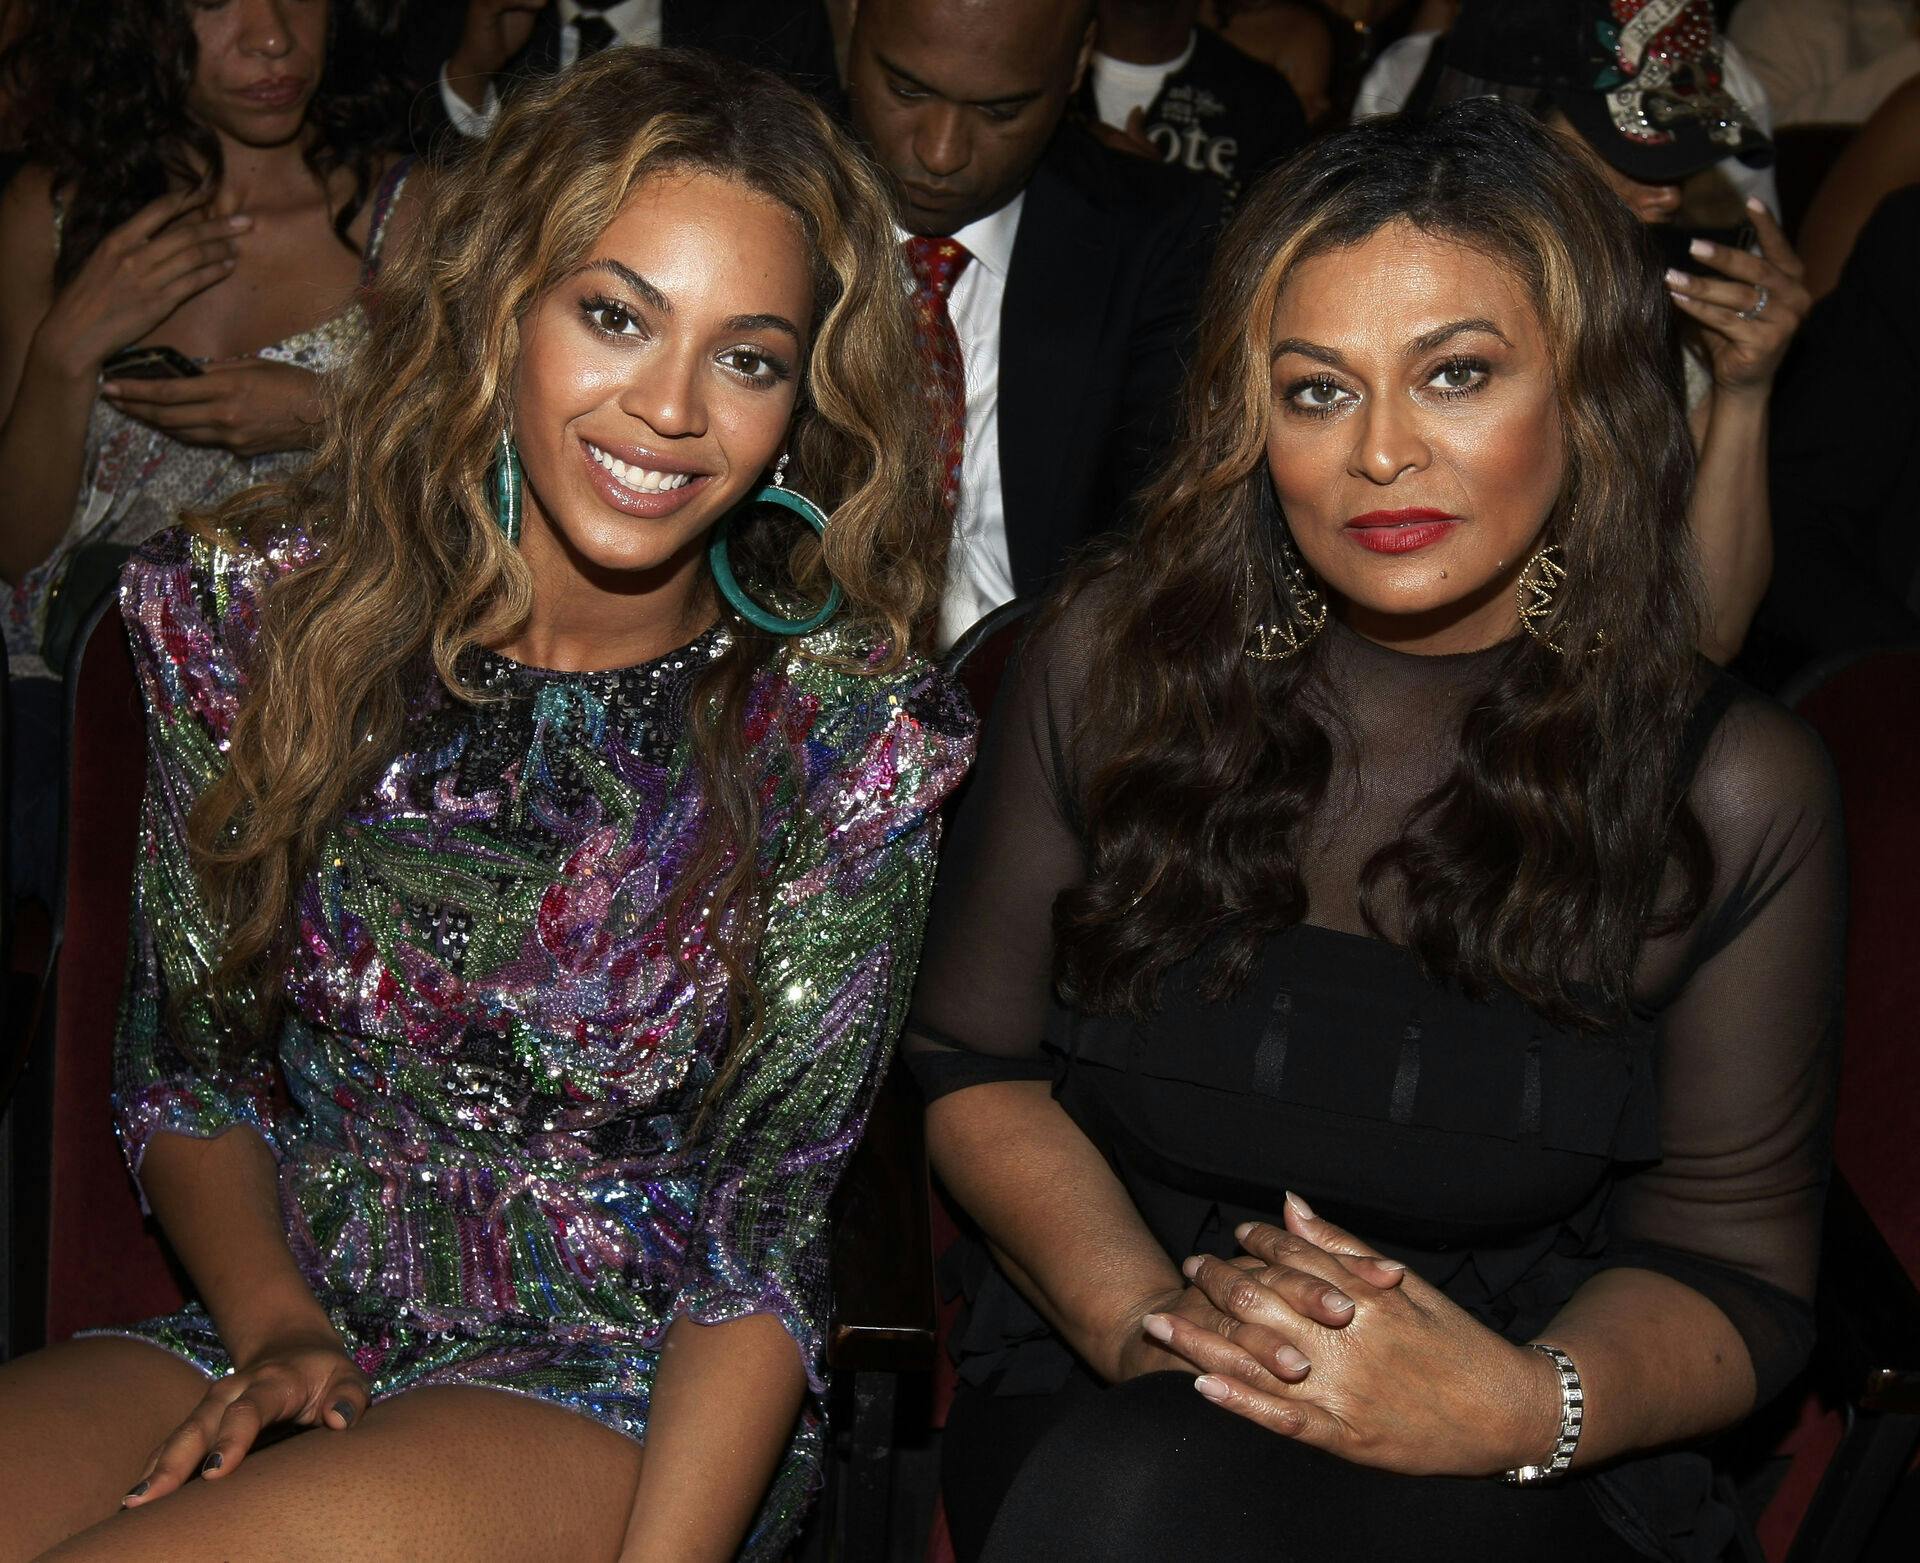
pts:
[626, 18]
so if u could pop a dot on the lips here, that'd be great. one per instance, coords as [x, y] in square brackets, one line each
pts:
[646, 486]
[1400, 531]
[277, 92]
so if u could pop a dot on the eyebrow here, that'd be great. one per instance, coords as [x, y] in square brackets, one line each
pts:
[1010, 101]
[1426, 342]
[655, 299]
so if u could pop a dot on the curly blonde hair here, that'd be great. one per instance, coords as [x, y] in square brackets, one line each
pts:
[409, 563]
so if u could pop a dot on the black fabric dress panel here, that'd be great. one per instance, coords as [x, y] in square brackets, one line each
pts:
[1506, 1160]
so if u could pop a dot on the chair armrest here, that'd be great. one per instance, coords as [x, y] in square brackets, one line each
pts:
[883, 1295]
[1869, 1311]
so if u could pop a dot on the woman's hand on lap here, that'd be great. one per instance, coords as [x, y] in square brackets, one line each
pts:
[307, 1380]
[250, 406]
[1411, 1383]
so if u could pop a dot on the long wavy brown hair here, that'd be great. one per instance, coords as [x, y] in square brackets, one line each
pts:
[410, 569]
[1538, 864]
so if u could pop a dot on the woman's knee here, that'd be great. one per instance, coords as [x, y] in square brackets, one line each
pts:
[1147, 1470]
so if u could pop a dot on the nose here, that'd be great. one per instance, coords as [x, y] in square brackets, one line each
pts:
[1388, 441]
[667, 392]
[942, 144]
[264, 30]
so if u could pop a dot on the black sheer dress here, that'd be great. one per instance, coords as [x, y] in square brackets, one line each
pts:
[1503, 1159]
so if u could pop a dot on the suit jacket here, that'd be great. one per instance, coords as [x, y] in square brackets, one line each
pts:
[1844, 464]
[787, 36]
[1095, 327]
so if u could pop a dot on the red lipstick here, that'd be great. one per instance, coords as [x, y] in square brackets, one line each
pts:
[1401, 531]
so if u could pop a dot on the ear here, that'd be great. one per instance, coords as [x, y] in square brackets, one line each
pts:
[1085, 57]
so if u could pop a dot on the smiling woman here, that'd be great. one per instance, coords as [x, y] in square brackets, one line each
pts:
[522, 926]
[1369, 836]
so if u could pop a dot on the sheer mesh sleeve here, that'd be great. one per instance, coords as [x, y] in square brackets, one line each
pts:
[1749, 1047]
[986, 979]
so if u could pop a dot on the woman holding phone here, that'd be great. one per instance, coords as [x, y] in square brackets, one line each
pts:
[214, 183]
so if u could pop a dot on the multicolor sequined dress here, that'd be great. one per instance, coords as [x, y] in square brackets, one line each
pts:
[484, 1094]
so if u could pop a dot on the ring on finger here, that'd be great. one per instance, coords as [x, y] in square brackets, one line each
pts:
[1759, 305]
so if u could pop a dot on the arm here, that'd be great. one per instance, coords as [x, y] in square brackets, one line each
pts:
[1730, 515]
[835, 963]
[200, 1135]
[52, 343]
[1882, 158]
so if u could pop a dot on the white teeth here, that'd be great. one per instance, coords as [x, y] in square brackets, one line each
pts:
[642, 480]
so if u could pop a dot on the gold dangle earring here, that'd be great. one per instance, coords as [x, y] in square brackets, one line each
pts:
[1305, 608]
[1536, 595]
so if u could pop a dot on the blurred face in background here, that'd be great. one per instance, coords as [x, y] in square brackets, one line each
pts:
[958, 98]
[258, 67]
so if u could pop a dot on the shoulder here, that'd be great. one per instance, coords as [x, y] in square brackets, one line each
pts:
[1133, 191]
[1763, 775]
[190, 599]
[898, 737]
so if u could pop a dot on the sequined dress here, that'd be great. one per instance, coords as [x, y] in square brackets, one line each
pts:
[484, 1092]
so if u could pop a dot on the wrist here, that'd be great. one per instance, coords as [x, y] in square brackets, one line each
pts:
[278, 1323]
[52, 357]
[1126, 1343]
[1535, 1406]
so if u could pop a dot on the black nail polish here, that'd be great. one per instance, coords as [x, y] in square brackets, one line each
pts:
[139, 1490]
[345, 1408]
[213, 1464]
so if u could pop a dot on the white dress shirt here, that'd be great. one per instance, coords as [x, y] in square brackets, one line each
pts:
[634, 22]
[979, 571]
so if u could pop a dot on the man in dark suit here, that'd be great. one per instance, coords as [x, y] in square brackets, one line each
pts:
[1056, 279]
[469, 52]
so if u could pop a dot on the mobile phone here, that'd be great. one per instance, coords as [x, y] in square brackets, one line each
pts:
[149, 363]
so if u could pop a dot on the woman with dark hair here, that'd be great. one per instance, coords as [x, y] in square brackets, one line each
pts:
[540, 821]
[200, 180]
[1369, 838]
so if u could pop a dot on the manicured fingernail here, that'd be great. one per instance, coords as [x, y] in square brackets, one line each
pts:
[1240, 1232]
[344, 1410]
[1189, 1266]
[1389, 1264]
[1755, 204]
[1213, 1388]
[239, 220]
[1339, 1302]
[1701, 248]
[1293, 1361]
[1157, 1326]
[138, 1490]
[213, 1463]
[1676, 278]
[1300, 1207]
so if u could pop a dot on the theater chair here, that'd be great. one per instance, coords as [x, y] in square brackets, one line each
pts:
[1856, 1434]
[88, 1258]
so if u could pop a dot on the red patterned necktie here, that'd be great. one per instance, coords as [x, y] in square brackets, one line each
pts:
[937, 264]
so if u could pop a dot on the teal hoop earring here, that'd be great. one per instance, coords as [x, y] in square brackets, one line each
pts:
[506, 490]
[774, 493]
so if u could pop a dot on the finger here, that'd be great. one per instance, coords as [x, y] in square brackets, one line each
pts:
[1717, 317]
[1774, 243]
[1251, 1352]
[1742, 265]
[179, 1456]
[187, 391]
[1360, 1259]
[1712, 290]
[178, 260]
[156, 214]
[1238, 1295]
[1291, 1417]
[1309, 1277]
[345, 1401]
[198, 280]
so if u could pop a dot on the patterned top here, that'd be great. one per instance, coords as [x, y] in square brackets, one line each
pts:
[483, 1095]
[136, 480]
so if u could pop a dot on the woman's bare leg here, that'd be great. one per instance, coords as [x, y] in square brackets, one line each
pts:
[471, 1474]
[77, 1422]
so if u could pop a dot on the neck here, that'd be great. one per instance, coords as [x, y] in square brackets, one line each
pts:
[253, 176]
[1146, 32]
[586, 618]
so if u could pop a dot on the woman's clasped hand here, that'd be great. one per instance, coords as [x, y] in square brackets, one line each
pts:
[1402, 1379]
